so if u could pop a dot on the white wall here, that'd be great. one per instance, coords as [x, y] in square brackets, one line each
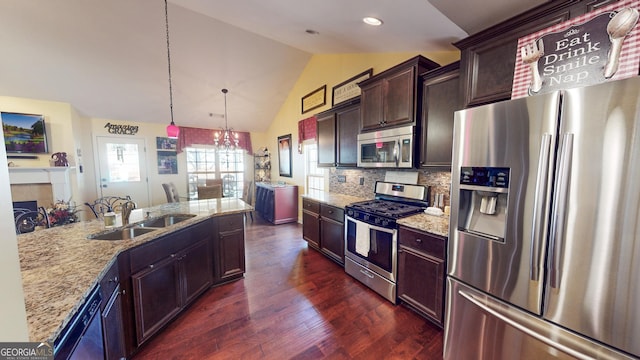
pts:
[13, 326]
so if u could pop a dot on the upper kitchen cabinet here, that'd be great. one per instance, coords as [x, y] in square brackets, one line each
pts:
[487, 58]
[392, 98]
[337, 132]
[440, 99]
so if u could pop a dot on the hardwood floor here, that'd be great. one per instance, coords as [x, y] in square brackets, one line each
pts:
[293, 303]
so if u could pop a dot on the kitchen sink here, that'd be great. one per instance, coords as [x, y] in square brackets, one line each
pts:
[120, 233]
[164, 220]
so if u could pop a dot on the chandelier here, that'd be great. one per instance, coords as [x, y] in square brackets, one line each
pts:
[172, 129]
[225, 139]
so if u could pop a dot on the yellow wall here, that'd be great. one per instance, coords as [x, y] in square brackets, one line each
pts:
[327, 70]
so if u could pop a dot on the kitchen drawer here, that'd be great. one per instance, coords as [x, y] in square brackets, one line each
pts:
[310, 205]
[332, 212]
[426, 243]
[230, 222]
[156, 250]
[110, 281]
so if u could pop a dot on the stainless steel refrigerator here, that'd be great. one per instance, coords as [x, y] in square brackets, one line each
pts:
[544, 243]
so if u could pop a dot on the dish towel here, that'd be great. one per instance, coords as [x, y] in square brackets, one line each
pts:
[362, 239]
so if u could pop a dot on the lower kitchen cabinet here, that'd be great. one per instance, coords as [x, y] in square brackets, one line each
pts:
[323, 228]
[112, 314]
[167, 274]
[228, 248]
[311, 222]
[421, 272]
[332, 232]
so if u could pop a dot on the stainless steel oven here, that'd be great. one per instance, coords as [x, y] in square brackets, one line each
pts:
[371, 234]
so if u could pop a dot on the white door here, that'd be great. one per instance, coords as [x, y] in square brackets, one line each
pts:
[122, 168]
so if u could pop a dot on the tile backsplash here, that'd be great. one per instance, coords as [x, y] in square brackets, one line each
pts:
[438, 181]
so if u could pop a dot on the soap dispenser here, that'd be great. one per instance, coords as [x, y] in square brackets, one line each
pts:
[109, 218]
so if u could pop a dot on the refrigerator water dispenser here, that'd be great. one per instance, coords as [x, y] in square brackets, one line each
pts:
[483, 199]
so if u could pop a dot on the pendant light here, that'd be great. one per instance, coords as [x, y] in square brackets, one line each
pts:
[172, 130]
[225, 139]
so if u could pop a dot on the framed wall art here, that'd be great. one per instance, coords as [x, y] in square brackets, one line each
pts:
[314, 99]
[349, 88]
[284, 155]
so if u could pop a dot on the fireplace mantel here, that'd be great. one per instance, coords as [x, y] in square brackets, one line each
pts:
[58, 177]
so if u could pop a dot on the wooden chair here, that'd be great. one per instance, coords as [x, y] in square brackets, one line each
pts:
[107, 203]
[27, 220]
[247, 195]
[210, 192]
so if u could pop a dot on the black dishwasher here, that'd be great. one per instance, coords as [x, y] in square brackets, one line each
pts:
[82, 336]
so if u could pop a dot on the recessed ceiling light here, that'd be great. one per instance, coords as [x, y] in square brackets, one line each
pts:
[311, 32]
[372, 21]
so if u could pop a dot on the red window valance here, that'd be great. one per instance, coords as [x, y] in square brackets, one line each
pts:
[307, 129]
[196, 136]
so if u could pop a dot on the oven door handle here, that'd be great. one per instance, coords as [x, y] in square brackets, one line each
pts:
[370, 226]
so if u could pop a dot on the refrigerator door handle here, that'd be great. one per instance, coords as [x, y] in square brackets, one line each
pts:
[539, 206]
[486, 307]
[559, 209]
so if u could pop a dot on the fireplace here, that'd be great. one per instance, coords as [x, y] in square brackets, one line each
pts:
[45, 185]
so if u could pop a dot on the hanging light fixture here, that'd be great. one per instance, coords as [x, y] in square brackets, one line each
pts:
[225, 139]
[172, 130]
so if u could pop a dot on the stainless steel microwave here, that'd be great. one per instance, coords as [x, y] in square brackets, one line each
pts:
[389, 148]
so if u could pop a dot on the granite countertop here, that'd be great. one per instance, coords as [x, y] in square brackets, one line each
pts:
[334, 199]
[438, 225]
[60, 266]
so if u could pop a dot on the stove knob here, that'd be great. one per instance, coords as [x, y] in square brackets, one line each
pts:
[377, 221]
[365, 217]
[350, 213]
[385, 223]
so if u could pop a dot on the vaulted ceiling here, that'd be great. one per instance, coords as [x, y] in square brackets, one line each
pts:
[109, 58]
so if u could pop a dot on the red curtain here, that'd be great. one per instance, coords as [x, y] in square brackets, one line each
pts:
[307, 129]
[196, 136]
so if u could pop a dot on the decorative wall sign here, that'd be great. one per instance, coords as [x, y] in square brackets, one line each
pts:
[599, 46]
[314, 99]
[284, 155]
[121, 129]
[349, 89]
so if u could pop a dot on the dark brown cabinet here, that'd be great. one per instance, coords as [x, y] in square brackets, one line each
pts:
[228, 248]
[167, 274]
[440, 100]
[112, 314]
[323, 228]
[332, 232]
[391, 98]
[311, 222]
[337, 133]
[421, 272]
[277, 204]
[326, 139]
[487, 58]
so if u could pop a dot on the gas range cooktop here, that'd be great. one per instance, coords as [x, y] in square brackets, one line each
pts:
[386, 208]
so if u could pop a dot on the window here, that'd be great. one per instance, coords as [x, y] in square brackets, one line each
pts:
[315, 175]
[206, 163]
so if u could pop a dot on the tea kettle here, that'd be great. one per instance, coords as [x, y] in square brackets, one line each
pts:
[60, 159]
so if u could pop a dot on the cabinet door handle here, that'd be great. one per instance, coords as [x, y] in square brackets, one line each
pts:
[151, 266]
[419, 241]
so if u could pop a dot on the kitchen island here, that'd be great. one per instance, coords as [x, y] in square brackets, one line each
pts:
[60, 266]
